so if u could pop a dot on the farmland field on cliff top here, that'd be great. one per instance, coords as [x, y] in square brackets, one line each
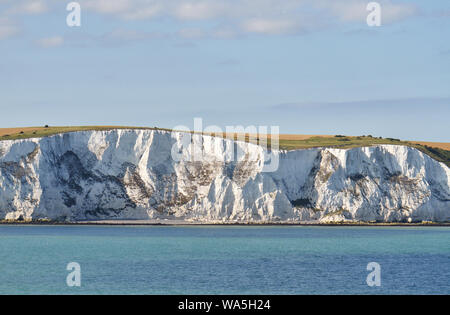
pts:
[225, 155]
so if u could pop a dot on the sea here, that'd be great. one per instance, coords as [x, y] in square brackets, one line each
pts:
[197, 260]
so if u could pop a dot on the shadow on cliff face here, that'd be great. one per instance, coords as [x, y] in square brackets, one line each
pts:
[19, 170]
[82, 187]
[317, 175]
[382, 188]
[91, 194]
[374, 186]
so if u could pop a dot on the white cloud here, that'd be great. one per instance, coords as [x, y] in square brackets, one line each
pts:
[7, 28]
[50, 41]
[344, 10]
[226, 18]
[191, 33]
[7, 31]
[252, 16]
[200, 10]
[356, 10]
[109, 6]
[145, 13]
[395, 12]
[223, 33]
[267, 26]
[28, 7]
[8, 23]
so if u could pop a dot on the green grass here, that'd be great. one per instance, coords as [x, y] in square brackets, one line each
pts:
[40, 132]
[338, 141]
[347, 142]
[438, 154]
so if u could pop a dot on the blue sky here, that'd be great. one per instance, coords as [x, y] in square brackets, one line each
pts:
[308, 66]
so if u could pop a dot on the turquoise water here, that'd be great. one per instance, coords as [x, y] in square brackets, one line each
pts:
[224, 259]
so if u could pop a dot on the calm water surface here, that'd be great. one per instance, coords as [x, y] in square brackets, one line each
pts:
[224, 259]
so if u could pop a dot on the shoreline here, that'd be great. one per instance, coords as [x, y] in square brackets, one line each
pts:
[190, 223]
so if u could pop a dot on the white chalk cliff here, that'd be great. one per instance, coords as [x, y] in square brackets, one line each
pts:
[131, 174]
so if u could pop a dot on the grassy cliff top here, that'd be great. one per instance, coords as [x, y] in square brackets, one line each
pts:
[438, 151]
[39, 132]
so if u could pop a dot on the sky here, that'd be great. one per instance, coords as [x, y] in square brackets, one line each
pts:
[307, 66]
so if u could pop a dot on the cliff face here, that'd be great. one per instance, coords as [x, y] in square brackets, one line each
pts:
[131, 174]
